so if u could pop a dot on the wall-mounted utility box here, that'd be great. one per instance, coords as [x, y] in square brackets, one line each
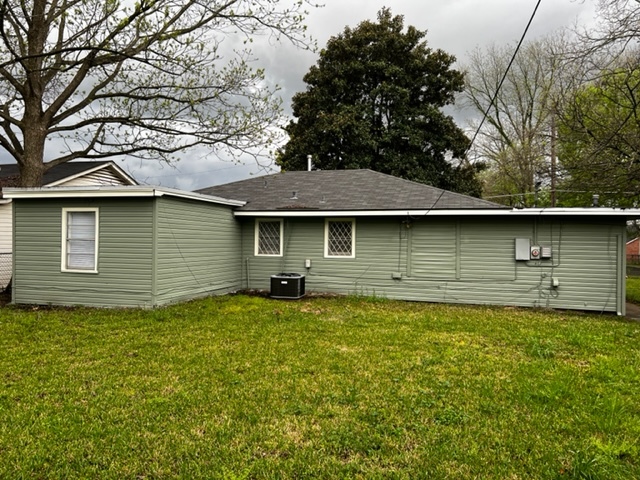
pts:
[546, 252]
[287, 285]
[536, 253]
[523, 249]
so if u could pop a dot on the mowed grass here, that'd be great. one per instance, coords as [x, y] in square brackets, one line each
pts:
[633, 289]
[248, 387]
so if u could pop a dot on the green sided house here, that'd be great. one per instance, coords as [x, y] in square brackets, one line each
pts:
[353, 231]
[77, 173]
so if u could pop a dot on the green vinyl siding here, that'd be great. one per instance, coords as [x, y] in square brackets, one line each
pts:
[197, 250]
[487, 251]
[124, 274]
[434, 251]
[154, 251]
[462, 260]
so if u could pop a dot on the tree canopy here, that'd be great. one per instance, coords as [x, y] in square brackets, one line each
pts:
[599, 140]
[100, 78]
[374, 100]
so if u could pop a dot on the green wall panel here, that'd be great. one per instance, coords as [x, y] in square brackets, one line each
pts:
[463, 260]
[197, 250]
[124, 257]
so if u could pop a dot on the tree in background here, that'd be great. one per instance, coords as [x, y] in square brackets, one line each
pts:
[516, 138]
[374, 101]
[600, 138]
[99, 78]
[600, 128]
[618, 27]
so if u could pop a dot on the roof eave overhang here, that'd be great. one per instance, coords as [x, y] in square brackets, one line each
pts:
[113, 192]
[491, 212]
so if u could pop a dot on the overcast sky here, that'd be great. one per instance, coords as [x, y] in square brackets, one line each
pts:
[455, 26]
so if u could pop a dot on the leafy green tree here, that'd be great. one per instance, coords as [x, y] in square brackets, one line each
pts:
[599, 142]
[374, 101]
[101, 78]
[516, 138]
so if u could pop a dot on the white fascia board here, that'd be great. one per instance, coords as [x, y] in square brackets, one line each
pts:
[103, 191]
[4, 201]
[125, 176]
[198, 196]
[585, 212]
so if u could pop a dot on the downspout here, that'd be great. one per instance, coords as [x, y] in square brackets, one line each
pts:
[458, 247]
[409, 250]
[248, 274]
[13, 252]
[622, 273]
[154, 253]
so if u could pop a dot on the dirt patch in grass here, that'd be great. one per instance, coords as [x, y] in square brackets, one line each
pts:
[5, 298]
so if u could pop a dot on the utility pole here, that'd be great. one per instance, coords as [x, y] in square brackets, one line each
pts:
[553, 157]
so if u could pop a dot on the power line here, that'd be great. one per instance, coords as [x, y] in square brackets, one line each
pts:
[495, 95]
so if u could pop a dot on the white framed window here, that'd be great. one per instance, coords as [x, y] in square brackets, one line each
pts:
[340, 238]
[268, 238]
[80, 240]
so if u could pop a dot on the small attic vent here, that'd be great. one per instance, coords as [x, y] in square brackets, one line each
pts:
[294, 196]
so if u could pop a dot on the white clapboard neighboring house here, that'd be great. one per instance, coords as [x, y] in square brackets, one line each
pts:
[71, 174]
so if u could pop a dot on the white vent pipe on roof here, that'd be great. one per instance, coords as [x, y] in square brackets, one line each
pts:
[309, 164]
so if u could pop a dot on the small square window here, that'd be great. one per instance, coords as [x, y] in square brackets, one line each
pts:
[340, 238]
[268, 237]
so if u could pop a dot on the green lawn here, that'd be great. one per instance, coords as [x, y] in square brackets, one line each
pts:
[633, 289]
[247, 387]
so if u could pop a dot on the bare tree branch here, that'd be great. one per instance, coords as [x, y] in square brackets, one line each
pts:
[148, 79]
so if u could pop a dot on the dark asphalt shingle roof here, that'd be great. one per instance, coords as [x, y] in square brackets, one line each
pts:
[341, 190]
[54, 174]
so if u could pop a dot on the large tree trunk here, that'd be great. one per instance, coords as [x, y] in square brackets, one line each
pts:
[32, 167]
[31, 174]
[34, 130]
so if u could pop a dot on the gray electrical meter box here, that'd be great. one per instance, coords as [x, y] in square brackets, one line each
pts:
[535, 252]
[523, 249]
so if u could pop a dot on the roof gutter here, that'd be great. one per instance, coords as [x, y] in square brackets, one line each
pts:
[489, 212]
[101, 191]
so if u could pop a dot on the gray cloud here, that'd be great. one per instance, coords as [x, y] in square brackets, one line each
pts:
[456, 26]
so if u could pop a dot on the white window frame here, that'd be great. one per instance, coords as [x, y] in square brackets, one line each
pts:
[257, 238]
[65, 226]
[327, 221]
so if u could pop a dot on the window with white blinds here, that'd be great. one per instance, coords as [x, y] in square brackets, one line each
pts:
[80, 239]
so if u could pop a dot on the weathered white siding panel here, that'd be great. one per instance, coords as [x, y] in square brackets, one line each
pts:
[104, 176]
[5, 243]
